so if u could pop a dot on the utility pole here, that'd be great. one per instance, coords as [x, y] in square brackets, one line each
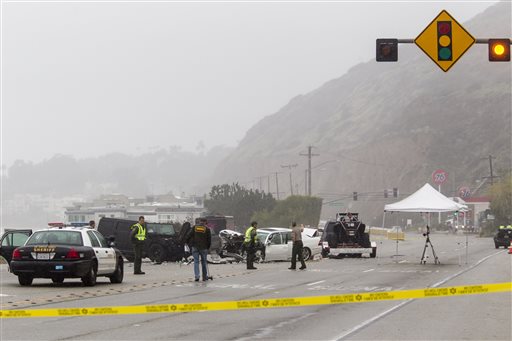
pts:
[260, 179]
[268, 184]
[309, 155]
[490, 167]
[306, 183]
[290, 168]
[277, 186]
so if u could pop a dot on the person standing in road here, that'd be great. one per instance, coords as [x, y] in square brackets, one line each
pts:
[92, 225]
[184, 234]
[297, 247]
[200, 240]
[250, 244]
[138, 237]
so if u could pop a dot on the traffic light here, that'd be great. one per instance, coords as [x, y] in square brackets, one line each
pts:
[395, 192]
[385, 193]
[444, 41]
[387, 50]
[499, 50]
[354, 196]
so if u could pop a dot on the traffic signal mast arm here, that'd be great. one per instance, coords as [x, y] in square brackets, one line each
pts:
[477, 41]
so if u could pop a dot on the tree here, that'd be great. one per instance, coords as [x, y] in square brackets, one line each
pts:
[501, 201]
[238, 201]
[301, 209]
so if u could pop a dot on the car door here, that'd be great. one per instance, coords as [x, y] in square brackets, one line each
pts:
[276, 248]
[104, 254]
[110, 258]
[287, 239]
[11, 240]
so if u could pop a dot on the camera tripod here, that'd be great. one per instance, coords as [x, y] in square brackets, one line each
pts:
[427, 242]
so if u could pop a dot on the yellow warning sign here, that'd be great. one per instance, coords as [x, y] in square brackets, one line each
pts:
[263, 303]
[444, 40]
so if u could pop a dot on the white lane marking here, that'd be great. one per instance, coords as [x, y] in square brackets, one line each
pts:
[368, 270]
[402, 261]
[4, 295]
[315, 283]
[398, 306]
[265, 332]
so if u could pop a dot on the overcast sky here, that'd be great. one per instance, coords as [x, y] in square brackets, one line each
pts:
[89, 78]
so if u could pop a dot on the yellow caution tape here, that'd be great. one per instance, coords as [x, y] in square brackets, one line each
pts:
[264, 303]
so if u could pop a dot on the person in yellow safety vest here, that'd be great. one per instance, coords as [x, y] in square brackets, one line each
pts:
[138, 237]
[250, 244]
[509, 226]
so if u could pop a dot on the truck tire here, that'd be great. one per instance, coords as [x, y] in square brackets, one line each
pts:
[25, 280]
[374, 252]
[366, 240]
[58, 279]
[157, 253]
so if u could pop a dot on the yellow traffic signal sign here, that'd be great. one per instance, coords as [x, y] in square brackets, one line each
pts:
[499, 50]
[444, 40]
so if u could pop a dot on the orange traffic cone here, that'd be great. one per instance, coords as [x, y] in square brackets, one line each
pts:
[510, 249]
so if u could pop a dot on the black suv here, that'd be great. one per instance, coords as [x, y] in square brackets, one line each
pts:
[162, 240]
[503, 238]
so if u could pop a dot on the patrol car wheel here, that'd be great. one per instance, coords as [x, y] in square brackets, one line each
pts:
[90, 279]
[156, 253]
[118, 275]
[306, 253]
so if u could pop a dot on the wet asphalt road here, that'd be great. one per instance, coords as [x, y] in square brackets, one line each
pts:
[451, 318]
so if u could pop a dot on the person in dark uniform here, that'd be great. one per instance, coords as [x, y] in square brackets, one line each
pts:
[138, 237]
[250, 244]
[200, 240]
[297, 247]
[184, 234]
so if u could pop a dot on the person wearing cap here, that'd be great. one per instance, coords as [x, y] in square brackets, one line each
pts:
[250, 244]
[200, 239]
[92, 225]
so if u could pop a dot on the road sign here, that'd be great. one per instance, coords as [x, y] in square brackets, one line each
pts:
[444, 40]
[439, 176]
[464, 192]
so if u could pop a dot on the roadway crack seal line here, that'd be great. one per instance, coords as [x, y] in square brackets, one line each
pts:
[263, 303]
[84, 295]
[400, 305]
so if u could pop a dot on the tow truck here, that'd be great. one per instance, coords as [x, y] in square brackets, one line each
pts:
[347, 236]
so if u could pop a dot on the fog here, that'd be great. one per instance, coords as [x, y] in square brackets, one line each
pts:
[88, 78]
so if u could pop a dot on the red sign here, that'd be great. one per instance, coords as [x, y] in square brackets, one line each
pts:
[439, 176]
[464, 192]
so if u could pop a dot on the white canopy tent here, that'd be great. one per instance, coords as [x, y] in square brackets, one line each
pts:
[425, 200]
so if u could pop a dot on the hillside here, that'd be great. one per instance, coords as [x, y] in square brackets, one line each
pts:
[384, 125]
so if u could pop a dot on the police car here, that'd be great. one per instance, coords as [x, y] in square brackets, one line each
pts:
[69, 252]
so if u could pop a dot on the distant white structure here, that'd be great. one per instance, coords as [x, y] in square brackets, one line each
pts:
[120, 206]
